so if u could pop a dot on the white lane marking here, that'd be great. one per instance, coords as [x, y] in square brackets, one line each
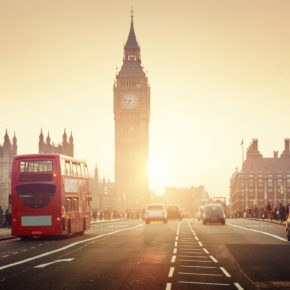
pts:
[194, 261]
[200, 244]
[175, 244]
[14, 253]
[53, 262]
[227, 274]
[66, 247]
[238, 286]
[206, 251]
[196, 238]
[192, 251]
[185, 256]
[176, 238]
[265, 233]
[214, 259]
[168, 286]
[203, 267]
[199, 274]
[5, 256]
[173, 259]
[203, 283]
[175, 250]
[186, 243]
[189, 247]
[171, 271]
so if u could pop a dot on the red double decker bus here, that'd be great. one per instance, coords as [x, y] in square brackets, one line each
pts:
[50, 195]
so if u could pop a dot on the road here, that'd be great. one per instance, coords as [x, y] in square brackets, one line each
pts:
[243, 254]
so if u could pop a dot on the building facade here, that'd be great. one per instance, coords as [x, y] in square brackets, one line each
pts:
[261, 180]
[7, 153]
[131, 114]
[65, 148]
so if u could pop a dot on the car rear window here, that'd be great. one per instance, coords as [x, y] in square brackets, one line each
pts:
[213, 208]
[155, 207]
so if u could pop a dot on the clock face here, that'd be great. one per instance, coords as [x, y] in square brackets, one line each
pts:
[129, 101]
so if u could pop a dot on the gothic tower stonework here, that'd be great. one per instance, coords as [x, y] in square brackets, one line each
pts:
[131, 113]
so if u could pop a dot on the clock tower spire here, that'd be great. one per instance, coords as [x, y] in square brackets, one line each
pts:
[131, 113]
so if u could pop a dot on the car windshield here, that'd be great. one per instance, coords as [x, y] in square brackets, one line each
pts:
[155, 207]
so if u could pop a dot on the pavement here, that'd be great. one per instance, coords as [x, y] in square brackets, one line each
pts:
[269, 221]
[5, 233]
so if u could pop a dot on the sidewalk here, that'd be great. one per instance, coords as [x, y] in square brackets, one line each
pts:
[5, 233]
[269, 221]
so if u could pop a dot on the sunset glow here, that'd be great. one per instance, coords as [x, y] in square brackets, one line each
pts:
[218, 72]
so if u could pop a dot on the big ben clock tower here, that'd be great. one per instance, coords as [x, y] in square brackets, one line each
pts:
[131, 112]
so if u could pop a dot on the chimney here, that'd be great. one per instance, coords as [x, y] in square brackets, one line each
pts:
[275, 154]
[286, 144]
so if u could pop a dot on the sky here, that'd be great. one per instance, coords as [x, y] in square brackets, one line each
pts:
[219, 72]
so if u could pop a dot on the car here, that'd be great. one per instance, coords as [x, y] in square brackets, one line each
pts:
[200, 213]
[213, 213]
[155, 212]
[174, 212]
[287, 227]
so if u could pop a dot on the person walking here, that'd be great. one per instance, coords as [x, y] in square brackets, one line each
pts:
[6, 223]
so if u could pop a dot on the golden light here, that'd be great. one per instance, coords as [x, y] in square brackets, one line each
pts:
[156, 169]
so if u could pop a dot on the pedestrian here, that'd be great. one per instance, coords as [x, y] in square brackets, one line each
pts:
[282, 212]
[6, 223]
[1, 217]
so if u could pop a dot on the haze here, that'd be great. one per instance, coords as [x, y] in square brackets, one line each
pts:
[218, 71]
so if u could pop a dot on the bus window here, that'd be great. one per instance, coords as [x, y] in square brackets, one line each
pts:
[82, 170]
[75, 204]
[67, 167]
[36, 166]
[68, 204]
[62, 166]
[36, 195]
[78, 169]
[86, 171]
[74, 169]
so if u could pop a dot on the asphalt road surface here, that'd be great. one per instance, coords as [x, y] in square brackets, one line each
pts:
[242, 254]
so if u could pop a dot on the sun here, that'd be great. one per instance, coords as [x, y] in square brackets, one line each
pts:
[155, 169]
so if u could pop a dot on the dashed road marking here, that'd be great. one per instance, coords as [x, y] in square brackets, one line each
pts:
[174, 250]
[171, 271]
[200, 244]
[186, 256]
[5, 256]
[175, 244]
[14, 253]
[238, 286]
[173, 259]
[184, 260]
[168, 286]
[195, 266]
[199, 274]
[225, 272]
[206, 251]
[204, 283]
[214, 259]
